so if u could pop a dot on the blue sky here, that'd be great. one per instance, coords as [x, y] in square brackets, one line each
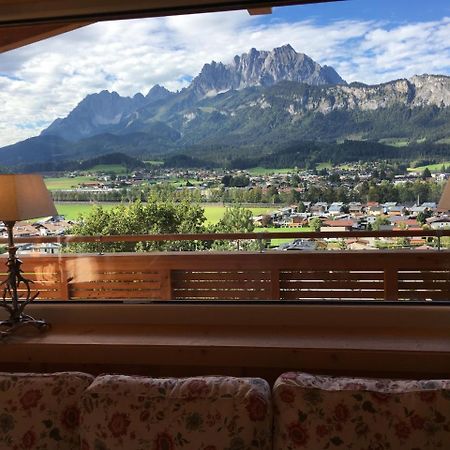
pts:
[371, 41]
[395, 11]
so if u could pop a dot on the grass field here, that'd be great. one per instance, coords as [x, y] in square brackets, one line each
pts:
[257, 171]
[395, 142]
[55, 184]
[431, 167]
[109, 168]
[324, 165]
[177, 182]
[277, 242]
[72, 210]
[215, 213]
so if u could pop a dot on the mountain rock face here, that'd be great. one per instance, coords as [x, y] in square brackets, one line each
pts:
[261, 100]
[262, 68]
[419, 91]
[106, 112]
[94, 114]
[431, 90]
[156, 94]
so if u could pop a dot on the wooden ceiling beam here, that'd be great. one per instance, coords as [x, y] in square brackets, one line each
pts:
[260, 11]
[24, 12]
[15, 37]
[23, 22]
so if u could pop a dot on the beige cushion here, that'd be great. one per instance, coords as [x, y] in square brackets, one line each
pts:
[41, 411]
[320, 412]
[203, 413]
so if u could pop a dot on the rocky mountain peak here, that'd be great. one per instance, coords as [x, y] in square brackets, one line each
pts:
[262, 68]
[301, 88]
[432, 89]
[158, 92]
[95, 112]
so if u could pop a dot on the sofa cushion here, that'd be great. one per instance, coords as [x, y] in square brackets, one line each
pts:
[41, 411]
[321, 412]
[204, 413]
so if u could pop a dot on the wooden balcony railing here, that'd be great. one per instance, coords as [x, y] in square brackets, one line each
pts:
[67, 239]
[220, 276]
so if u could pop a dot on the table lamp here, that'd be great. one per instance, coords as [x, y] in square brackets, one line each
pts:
[22, 197]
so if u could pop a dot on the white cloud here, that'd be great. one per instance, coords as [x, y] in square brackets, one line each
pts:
[46, 80]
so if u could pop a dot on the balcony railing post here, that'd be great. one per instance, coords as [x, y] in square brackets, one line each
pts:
[390, 284]
[64, 284]
[166, 284]
[275, 284]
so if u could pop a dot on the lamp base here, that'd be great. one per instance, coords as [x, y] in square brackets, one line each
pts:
[10, 326]
[17, 319]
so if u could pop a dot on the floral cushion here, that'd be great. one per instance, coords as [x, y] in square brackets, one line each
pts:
[205, 413]
[41, 411]
[321, 412]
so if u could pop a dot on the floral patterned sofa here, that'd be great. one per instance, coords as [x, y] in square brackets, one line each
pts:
[41, 411]
[321, 412]
[73, 411]
[204, 413]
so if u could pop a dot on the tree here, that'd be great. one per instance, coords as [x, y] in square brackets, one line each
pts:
[315, 223]
[379, 222]
[402, 242]
[236, 220]
[301, 207]
[226, 180]
[293, 197]
[240, 181]
[423, 216]
[295, 180]
[426, 173]
[154, 217]
[342, 244]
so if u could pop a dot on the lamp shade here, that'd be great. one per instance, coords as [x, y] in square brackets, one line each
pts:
[444, 202]
[24, 197]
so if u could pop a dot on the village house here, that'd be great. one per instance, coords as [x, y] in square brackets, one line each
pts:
[338, 225]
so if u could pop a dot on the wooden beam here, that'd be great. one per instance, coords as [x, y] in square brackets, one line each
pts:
[15, 37]
[19, 12]
[260, 11]
[23, 22]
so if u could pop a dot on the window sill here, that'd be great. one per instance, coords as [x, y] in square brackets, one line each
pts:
[248, 339]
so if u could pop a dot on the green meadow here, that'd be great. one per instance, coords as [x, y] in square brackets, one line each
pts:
[109, 168]
[259, 171]
[431, 167]
[277, 242]
[324, 165]
[56, 184]
[395, 142]
[213, 214]
[72, 210]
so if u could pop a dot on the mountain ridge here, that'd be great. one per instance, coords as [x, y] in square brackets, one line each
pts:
[255, 68]
[262, 98]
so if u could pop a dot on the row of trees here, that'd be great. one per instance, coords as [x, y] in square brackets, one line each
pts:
[384, 191]
[158, 215]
